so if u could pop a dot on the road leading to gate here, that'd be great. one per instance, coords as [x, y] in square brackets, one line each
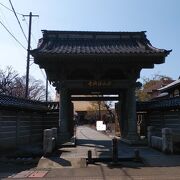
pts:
[90, 139]
[100, 145]
[86, 133]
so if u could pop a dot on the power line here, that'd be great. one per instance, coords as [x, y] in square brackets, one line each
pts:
[21, 15]
[13, 36]
[18, 20]
[4, 20]
[9, 9]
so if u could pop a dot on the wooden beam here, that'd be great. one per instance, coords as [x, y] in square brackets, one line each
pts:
[106, 98]
[96, 84]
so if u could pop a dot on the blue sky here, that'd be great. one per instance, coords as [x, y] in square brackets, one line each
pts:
[160, 18]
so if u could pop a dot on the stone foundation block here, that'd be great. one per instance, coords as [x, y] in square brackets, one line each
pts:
[167, 140]
[150, 133]
[48, 141]
[156, 142]
[55, 137]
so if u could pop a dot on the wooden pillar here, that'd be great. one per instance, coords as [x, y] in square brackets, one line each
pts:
[120, 114]
[71, 119]
[123, 115]
[132, 135]
[18, 127]
[64, 134]
[118, 130]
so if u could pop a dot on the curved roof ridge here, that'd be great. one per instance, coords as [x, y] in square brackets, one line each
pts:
[96, 43]
[73, 31]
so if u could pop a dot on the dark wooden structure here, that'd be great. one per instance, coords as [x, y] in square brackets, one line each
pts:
[23, 121]
[105, 63]
[160, 113]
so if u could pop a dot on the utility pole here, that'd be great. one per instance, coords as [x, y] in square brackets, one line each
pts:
[46, 89]
[28, 53]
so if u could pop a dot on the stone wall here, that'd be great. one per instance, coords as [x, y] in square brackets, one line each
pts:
[24, 127]
[163, 143]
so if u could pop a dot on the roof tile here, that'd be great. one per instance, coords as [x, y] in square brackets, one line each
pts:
[169, 103]
[20, 103]
[86, 43]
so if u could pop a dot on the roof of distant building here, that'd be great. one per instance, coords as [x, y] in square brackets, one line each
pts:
[170, 86]
[157, 84]
[162, 95]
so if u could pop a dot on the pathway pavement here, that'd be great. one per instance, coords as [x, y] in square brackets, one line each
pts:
[100, 172]
[155, 165]
[101, 145]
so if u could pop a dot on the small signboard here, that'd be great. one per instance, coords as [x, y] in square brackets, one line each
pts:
[100, 126]
[95, 83]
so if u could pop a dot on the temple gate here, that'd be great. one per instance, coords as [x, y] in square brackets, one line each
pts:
[96, 63]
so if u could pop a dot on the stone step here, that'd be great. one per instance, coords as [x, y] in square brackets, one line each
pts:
[70, 143]
[57, 162]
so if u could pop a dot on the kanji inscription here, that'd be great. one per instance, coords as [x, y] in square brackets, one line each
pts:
[94, 83]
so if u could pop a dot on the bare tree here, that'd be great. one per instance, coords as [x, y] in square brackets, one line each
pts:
[7, 80]
[14, 85]
[36, 89]
[99, 106]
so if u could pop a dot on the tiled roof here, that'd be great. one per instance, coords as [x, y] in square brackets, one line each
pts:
[20, 103]
[169, 86]
[94, 43]
[164, 94]
[169, 103]
[157, 84]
